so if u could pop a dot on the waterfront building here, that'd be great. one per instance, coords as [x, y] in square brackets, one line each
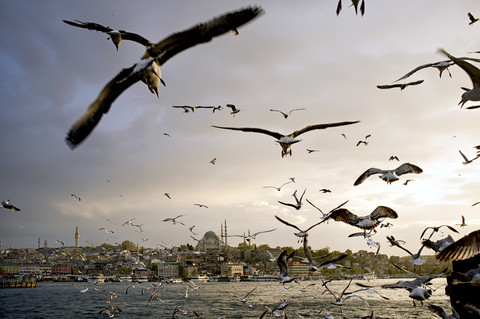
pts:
[61, 269]
[230, 270]
[297, 269]
[169, 269]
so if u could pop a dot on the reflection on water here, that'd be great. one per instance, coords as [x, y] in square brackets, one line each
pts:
[210, 300]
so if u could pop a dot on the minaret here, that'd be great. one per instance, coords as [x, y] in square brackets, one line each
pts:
[45, 244]
[225, 234]
[77, 237]
[38, 242]
[221, 233]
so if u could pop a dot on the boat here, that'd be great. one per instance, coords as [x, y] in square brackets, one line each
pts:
[96, 278]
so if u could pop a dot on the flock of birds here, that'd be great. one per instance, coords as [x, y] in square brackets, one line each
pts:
[148, 71]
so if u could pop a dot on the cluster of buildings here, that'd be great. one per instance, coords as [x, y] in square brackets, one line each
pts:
[212, 258]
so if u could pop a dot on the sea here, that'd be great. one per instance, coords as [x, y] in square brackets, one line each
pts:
[213, 300]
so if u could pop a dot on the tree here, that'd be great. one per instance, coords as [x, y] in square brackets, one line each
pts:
[155, 268]
[128, 245]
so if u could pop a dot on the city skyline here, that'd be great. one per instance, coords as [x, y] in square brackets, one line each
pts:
[289, 58]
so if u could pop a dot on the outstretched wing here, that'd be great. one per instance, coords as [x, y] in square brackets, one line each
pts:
[420, 68]
[201, 33]
[125, 35]
[463, 248]
[471, 70]
[366, 174]
[344, 215]
[407, 168]
[287, 223]
[265, 231]
[251, 129]
[320, 127]
[383, 212]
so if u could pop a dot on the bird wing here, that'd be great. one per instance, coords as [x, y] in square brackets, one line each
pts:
[334, 259]
[414, 83]
[300, 109]
[471, 70]
[92, 116]
[368, 173]
[344, 215]
[161, 52]
[423, 232]
[463, 248]
[389, 86]
[201, 33]
[98, 27]
[282, 264]
[464, 157]
[288, 204]
[265, 231]
[252, 129]
[287, 223]
[407, 168]
[307, 251]
[437, 310]
[315, 207]
[320, 127]
[418, 69]
[383, 212]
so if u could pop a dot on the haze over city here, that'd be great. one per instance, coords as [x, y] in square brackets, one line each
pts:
[293, 56]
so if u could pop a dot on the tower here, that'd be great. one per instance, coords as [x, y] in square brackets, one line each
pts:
[38, 242]
[77, 237]
[45, 244]
[225, 234]
[221, 233]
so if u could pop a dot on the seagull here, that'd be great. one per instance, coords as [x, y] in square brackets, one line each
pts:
[387, 225]
[115, 35]
[402, 86]
[286, 141]
[213, 161]
[233, 108]
[440, 66]
[389, 176]
[60, 242]
[173, 220]
[311, 151]
[464, 248]
[472, 18]
[285, 115]
[325, 264]
[436, 229]
[325, 190]
[282, 262]
[473, 73]
[438, 245]
[363, 222]
[354, 4]
[148, 68]
[465, 159]
[463, 224]
[407, 181]
[393, 157]
[75, 197]
[244, 298]
[364, 141]
[252, 236]
[441, 313]
[186, 108]
[6, 204]
[280, 187]
[106, 230]
[298, 203]
[128, 222]
[416, 260]
[168, 195]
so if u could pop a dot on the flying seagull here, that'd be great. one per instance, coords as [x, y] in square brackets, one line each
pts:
[285, 115]
[354, 4]
[438, 245]
[252, 236]
[280, 187]
[233, 108]
[286, 141]
[464, 248]
[389, 176]
[436, 229]
[471, 18]
[115, 35]
[363, 222]
[440, 66]
[298, 202]
[75, 197]
[463, 224]
[282, 262]
[416, 260]
[473, 73]
[402, 86]
[465, 159]
[6, 204]
[148, 68]
[173, 220]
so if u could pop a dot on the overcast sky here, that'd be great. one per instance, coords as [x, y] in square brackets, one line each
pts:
[293, 56]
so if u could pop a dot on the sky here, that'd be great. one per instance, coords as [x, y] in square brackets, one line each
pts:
[293, 56]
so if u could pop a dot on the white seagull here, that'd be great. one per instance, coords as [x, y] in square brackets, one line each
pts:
[287, 140]
[389, 176]
[464, 248]
[364, 222]
[148, 68]
[285, 115]
[298, 202]
[173, 220]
